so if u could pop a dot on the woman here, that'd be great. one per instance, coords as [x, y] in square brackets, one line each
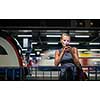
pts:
[68, 57]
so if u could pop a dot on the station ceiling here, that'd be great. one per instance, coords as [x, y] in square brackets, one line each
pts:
[40, 28]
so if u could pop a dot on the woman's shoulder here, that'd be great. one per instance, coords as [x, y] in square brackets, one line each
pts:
[58, 50]
[74, 49]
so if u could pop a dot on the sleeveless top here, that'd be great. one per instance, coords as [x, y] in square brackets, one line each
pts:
[67, 59]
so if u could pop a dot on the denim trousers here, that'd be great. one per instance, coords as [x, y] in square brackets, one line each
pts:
[68, 73]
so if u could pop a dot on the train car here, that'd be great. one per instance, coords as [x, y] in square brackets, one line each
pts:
[10, 53]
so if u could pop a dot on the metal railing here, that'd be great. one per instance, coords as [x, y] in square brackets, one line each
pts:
[42, 73]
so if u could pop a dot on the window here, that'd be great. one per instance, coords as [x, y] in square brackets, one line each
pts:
[2, 51]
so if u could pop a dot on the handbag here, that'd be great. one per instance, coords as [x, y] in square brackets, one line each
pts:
[81, 75]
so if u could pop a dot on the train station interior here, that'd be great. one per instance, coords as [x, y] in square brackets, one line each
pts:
[31, 44]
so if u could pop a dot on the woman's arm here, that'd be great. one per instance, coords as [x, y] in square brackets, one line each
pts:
[76, 57]
[58, 57]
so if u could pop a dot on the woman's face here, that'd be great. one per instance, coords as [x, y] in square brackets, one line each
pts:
[65, 40]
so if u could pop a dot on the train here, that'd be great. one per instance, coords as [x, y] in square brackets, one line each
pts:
[10, 52]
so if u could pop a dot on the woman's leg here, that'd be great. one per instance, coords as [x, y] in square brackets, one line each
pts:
[66, 74]
[62, 74]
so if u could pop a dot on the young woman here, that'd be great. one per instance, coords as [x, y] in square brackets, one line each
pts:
[68, 58]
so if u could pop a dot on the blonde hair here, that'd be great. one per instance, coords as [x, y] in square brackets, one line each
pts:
[64, 34]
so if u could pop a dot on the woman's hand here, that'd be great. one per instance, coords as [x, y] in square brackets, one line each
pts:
[66, 49]
[58, 55]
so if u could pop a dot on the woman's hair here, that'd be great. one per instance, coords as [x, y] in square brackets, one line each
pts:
[64, 34]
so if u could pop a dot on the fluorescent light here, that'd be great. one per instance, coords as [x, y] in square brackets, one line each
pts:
[53, 31]
[52, 43]
[23, 54]
[82, 49]
[94, 49]
[34, 43]
[94, 43]
[24, 49]
[37, 52]
[82, 31]
[32, 54]
[25, 31]
[82, 36]
[38, 49]
[24, 35]
[53, 35]
[38, 58]
[74, 43]
[42, 54]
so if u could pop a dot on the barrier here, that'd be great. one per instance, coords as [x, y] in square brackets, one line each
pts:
[42, 73]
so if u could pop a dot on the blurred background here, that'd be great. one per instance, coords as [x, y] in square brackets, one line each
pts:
[27, 47]
[38, 39]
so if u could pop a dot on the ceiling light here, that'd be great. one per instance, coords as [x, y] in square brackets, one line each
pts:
[74, 43]
[94, 43]
[52, 43]
[82, 49]
[53, 35]
[38, 49]
[94, 49]
[24, 49]
[25, 31]
[32, 54]
[24, 35]
[82, 36]
[42, 54]
[34, 43]
[37, 52]
[82, 31]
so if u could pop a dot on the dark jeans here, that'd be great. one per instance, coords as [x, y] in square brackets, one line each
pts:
[68, 74]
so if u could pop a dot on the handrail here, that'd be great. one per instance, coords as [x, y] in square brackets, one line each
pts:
[21, 73]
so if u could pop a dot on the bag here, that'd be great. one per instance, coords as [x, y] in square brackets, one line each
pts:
[81, 75]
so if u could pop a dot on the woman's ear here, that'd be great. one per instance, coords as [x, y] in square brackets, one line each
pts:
[60, 40]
